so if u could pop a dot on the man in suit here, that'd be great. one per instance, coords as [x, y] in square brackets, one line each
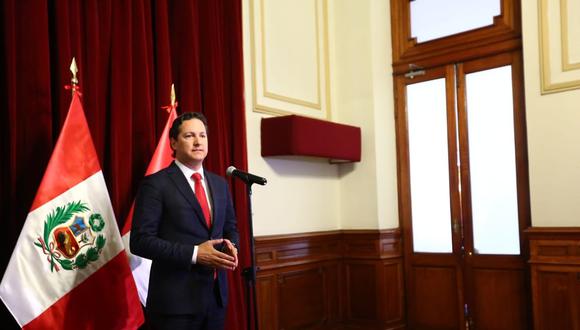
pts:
[184, 221]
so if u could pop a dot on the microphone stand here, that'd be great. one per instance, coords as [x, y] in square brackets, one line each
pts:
[249, 273]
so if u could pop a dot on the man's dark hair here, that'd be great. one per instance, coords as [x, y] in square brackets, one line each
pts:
[174, 130]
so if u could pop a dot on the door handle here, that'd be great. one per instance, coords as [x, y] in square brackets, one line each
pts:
[456, 226]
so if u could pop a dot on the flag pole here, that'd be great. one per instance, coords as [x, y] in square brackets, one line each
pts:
[37, 296]
[161, 158]
[74, 81]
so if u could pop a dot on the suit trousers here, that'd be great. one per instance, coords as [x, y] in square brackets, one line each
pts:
[213, 318]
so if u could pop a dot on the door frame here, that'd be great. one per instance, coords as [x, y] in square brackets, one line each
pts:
[462, 263]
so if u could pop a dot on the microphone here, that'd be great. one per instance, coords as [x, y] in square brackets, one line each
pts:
[246, 177]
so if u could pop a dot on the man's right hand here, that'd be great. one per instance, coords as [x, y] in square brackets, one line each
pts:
[207, 255]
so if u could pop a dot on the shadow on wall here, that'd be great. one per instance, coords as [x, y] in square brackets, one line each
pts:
[303, 167]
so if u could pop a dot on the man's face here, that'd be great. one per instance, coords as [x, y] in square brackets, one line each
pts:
[191, 143]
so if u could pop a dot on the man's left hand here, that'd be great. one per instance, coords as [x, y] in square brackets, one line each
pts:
[230, 248]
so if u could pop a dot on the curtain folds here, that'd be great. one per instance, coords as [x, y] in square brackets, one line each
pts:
[128, 54]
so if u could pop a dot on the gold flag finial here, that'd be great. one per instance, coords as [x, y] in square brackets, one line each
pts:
[73, 68]
[173, 105]
[74, 82]
[173, 95]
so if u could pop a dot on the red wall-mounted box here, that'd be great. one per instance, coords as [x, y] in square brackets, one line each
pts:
[303, 136]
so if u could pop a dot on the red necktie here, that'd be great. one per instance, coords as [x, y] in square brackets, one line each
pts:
[201, 198]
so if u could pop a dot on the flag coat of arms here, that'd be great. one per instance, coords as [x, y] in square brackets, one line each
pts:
[162, 157]
[69, 268]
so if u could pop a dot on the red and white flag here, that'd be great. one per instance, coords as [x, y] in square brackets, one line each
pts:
[162, 157]
[69, 269]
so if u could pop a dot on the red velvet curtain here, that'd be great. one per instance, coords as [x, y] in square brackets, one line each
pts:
[128, 52]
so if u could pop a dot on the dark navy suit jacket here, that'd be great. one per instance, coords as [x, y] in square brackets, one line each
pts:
[167, 223]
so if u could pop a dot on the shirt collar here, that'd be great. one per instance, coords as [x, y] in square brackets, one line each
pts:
[188, 172]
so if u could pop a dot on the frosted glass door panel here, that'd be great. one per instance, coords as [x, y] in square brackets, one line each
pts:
[432, 19]
[429, 166]
[490, 123]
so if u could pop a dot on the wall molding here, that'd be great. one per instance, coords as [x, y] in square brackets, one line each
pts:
[286, 99]
[567, 65]
[558, 71]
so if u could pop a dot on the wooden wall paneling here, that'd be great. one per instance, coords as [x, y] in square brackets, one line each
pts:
[331, 280]
[361, 290]
[278, 251]
[306, 285]
[266, 296]
[372, 259]
[555, 298]
[302, 298]
[555, 273]
[392, 289]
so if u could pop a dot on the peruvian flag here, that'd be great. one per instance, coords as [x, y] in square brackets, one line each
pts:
[160, 160]
[69, 269]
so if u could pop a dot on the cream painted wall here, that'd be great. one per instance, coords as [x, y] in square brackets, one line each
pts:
[363, 96]
[309, 194]
[302, 194]
[553, 124]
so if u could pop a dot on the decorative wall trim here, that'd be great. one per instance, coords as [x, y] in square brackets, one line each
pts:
[558, 71]
[554, 245]
[314, 75]
[265, 90]
[567, 65]
[332, 279]
[278, 251]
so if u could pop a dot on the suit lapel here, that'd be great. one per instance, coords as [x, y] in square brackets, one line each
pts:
[185, 189]
[213, 187]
